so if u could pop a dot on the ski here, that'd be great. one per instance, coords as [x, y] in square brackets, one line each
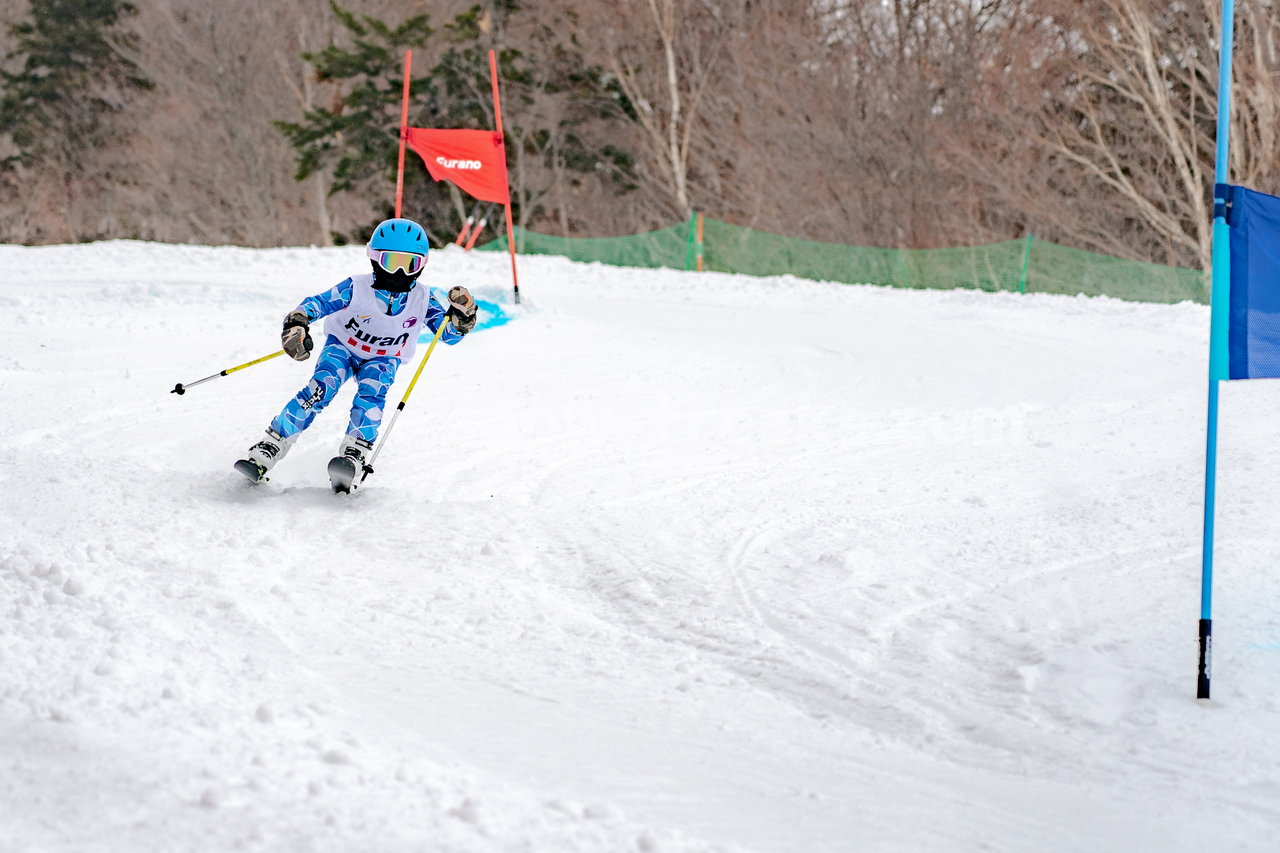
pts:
[252, 471]
[342, 474]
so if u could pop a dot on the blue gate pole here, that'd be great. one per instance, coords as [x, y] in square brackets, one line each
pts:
[1219, 312]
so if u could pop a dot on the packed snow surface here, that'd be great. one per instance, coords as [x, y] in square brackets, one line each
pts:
[668, 562]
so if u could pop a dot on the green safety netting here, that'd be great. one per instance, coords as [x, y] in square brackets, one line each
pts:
[1029, 265]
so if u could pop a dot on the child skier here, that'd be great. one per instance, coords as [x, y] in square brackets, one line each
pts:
[372, 322]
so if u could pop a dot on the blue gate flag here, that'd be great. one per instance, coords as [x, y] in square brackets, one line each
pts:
[1253, 336]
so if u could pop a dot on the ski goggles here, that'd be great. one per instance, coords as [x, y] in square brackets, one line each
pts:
[410, 262]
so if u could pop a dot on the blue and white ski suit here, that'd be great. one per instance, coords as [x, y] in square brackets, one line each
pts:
[369, 332]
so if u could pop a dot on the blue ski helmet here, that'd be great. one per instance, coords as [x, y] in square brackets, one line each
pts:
[400, 235]
[398, 252]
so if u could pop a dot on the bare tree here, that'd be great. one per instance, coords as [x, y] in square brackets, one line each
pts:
[664, 55]
[224, 173]
[909, 97]
[1100, 123]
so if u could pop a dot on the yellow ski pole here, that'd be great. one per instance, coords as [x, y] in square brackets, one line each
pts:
[181, 389]
[368, 468]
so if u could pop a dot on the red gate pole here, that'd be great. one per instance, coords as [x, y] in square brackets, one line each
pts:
[466, 226]
[404, 131]
[475, 232]
[511, 240]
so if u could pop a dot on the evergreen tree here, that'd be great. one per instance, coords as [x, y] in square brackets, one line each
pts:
[358, 137]
[561, 112]
[72, 75]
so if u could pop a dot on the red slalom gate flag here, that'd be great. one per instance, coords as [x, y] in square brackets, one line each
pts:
[475, 160]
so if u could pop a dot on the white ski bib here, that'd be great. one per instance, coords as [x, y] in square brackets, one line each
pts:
[365, 328]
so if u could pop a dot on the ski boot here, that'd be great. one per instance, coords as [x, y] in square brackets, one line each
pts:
[267, 452]
[350, 466]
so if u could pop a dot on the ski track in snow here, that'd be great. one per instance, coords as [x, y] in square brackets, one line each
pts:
[670, 562]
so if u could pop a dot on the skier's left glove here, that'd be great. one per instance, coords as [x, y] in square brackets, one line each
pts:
[462, 309]
[296, 336]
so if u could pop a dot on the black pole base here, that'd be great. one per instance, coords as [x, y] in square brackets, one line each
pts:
[178, 389]
[1206, 658]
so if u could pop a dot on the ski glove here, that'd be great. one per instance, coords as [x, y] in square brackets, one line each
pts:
[296, 336]
[462, 309]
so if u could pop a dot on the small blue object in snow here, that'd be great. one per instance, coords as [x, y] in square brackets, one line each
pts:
[489, 315]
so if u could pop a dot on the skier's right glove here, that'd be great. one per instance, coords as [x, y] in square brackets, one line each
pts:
[462, 309]
[296, 336]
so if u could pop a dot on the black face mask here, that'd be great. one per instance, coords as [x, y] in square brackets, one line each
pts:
[393, 282]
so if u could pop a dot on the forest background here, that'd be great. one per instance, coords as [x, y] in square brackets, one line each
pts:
[894, 123]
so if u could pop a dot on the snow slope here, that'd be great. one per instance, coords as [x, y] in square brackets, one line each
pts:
[669, 562]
